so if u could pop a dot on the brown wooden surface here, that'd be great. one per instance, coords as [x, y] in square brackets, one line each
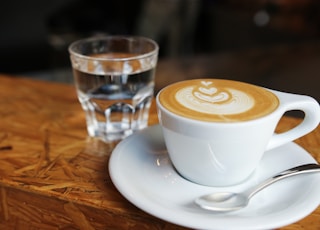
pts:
[52, 176]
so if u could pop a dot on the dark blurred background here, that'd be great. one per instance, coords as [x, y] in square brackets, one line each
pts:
[35, 34]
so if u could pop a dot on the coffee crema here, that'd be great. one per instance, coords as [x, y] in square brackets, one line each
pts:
[218, 100]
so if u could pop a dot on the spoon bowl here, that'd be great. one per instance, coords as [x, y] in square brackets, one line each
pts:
[221, 201]
[230, 201]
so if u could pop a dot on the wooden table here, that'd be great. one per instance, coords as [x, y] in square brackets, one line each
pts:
[52, 176]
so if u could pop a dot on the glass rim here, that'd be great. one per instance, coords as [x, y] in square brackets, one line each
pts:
[104, 38]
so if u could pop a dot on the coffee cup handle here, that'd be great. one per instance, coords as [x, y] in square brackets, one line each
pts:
[289, 102]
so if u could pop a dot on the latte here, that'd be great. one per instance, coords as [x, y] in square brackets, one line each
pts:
[218, 100]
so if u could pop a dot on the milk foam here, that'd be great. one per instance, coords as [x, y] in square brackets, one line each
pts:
[218, 100]
[212, 100]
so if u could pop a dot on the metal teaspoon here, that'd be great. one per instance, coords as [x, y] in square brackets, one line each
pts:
[229, 201]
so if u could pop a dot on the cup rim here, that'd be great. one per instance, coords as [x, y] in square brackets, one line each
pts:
[275, 113]
[154, 52]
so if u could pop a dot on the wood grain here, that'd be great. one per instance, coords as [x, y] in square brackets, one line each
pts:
[52, 176]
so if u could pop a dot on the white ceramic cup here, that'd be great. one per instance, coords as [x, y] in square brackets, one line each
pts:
[215, 153]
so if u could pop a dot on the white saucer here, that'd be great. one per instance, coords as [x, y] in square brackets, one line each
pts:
[141, 170]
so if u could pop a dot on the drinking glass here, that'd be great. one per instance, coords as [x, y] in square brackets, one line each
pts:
[114, 79]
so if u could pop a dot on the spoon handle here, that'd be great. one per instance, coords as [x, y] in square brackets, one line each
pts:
[306, 168]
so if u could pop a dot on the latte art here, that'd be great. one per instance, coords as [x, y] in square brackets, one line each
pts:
[218, 100]
[213, 101]
[210, 94]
